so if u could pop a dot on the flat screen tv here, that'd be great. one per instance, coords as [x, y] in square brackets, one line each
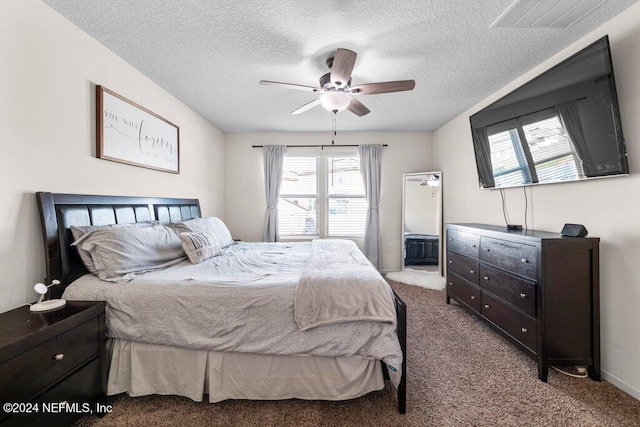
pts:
[564, 125]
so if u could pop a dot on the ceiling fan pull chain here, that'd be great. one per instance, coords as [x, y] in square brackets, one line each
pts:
[335, 133]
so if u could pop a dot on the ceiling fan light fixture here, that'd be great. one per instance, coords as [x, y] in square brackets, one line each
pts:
[335, 101]
[335, 90]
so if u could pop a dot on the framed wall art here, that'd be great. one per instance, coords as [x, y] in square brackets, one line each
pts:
[129, 133]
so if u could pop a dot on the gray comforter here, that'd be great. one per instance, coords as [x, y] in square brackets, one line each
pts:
[339, 285]
[241, 301]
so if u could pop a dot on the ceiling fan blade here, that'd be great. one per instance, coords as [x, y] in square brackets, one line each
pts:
[290, 86]
[306, 107]
[357, 107]
[342, 67]
[383, 87]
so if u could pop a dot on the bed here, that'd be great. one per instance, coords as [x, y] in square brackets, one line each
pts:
[421, 249]
[323, 362]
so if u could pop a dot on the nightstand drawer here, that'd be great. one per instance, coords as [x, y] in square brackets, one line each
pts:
[28, 372]
[80, 391]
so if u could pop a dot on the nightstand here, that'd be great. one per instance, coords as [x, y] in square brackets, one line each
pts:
[53, 365]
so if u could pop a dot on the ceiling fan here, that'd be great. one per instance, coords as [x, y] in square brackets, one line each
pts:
[336, 92]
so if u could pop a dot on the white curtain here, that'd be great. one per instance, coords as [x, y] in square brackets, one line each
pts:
[273, 160]
[371, 170]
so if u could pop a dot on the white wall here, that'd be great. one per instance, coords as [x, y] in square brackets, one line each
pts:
[609, 208]
[244, 179]
[48, 72]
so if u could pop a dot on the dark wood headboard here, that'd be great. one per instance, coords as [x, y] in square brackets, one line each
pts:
[58, 212]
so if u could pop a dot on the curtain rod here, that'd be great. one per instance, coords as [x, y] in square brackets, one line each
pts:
[322, 145]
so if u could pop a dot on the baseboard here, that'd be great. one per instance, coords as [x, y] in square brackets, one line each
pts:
[621, 384]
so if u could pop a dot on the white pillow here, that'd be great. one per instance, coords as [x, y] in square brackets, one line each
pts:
[203, 224]
[122, 252]
[78, 232]
[200, 246]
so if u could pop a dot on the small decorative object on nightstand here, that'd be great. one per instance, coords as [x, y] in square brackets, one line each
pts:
[52, 304]
[53, 364]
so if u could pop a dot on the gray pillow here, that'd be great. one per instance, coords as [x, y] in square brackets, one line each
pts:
[79, 231]
[203, 224]
[200, 246]
[120, 253]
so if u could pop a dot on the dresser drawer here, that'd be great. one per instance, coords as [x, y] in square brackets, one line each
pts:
[463, 243]
[28, 372]
[466, 293]
[463, 266]
[513, 322]
[512, 289]
[515, 257]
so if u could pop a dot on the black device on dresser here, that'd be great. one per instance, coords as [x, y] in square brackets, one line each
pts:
[539, 290]
[53, 364]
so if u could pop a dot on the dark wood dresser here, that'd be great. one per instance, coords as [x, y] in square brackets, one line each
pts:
[540, 290]
[52, 364]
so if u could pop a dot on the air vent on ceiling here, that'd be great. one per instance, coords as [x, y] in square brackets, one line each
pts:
[545, 13]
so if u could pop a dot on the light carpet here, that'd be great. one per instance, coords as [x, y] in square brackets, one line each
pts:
[424, 279]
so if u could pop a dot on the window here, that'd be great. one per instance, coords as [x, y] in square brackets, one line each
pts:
[298, 205]
[533, 148]
[322, 195]
[346, 202]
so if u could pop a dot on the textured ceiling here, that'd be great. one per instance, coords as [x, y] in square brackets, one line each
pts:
[212, 54]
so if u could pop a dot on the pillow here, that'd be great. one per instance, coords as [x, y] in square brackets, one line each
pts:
[200, 246]
[121, 253]
[203, 224]
[78, 232]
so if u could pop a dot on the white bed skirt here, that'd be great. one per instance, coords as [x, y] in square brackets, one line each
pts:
[140, 369]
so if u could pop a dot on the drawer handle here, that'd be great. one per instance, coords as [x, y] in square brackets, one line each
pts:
[59, 356]
[486, 277]
[524, 260]
[450, 262]
[487, 306]
[450, 283]
[473, 297]
[487, 250]
[473, 246]
[451, 240]
[523, 295]
[472, 271]
[524, 330]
